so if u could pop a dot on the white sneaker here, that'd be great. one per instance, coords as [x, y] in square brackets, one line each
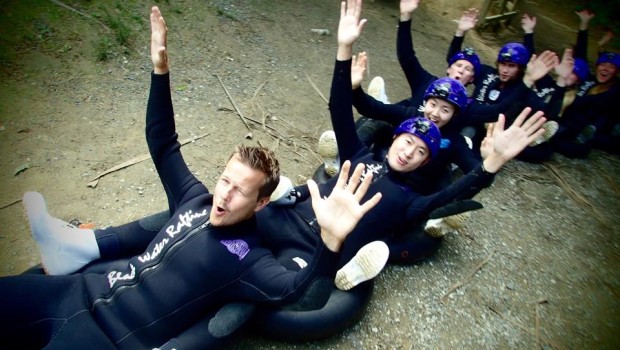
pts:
[64, 248]
[551, 127]
[376, 89]
[437, 227]
[365, 265]
[282, 194]
[328, 150]
[442, 226]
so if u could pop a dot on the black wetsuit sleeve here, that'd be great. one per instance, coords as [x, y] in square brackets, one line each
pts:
[341, 111]
[267, 281]
[478, 113]
[528, 42]
[581, 46]
[369, 107]
[164, 147]
[409, 63]
[465, 187]
[455, 46]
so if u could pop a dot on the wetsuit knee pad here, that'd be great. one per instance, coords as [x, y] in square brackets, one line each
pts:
[342, 310]
[230, 318]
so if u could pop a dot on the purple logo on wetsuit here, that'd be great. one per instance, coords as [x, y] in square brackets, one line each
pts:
[238, 247]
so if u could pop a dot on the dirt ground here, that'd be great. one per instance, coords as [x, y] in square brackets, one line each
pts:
[539, 265]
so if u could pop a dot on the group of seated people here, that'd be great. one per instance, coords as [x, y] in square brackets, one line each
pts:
[257, 247]
[576, 102]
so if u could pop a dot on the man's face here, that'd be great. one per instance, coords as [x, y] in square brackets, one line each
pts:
[461, 70]
[438, 111]
[507, 71]
[605, 72]
[407, 153]
[235, 197]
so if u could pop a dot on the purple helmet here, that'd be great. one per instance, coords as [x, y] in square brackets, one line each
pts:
[611, 57]
[469, 55]
[448, 89]
[514, 53]
[581, 69]
[424, 129]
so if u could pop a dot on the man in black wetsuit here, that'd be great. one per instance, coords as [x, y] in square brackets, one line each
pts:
[207, 254]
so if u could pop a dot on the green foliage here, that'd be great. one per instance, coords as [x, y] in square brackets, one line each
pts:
[103, 49]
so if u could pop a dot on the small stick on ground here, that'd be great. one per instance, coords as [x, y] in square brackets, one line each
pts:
[316, 88]
[466, 280]
[11, 203]
[80, 12]
[93, 183]
[233, 103]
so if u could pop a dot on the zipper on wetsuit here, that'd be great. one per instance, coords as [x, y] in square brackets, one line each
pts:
[148, 269]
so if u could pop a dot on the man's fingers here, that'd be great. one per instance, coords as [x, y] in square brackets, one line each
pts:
[536, 118]
[343, 177]
[363, 187]
[369, 204]
[499, 125]
[314, 190]
[355, 178]
[521, 118]
[490, 127]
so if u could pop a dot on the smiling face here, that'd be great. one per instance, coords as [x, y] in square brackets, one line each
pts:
[507, 71]
[438, 111]
[407, 153]
[461, 70]
[235, 197]
[606, 72]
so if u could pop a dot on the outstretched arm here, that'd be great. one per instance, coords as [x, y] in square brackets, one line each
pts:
[339, 213]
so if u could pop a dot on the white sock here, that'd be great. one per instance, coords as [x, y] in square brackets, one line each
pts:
[64, 248]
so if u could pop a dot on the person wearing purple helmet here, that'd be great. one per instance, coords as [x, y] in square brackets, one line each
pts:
[415, 141]
[584, 114]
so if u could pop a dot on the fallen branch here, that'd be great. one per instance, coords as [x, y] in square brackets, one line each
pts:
[316, 88]
[467, 279]
[233, 103]
[80, 12]
[93, 183]
[11, 203]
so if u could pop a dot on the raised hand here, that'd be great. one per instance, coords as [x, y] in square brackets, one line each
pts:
[585, 16]
[528, 23]
[539, 66]
[359, 65]
[468, 21]
[500, 146]
[339, 213]
[407, 7]
[565, 68]
[349, 28]
[159, 31]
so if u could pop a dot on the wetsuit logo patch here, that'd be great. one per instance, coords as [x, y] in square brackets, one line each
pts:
[238, 247]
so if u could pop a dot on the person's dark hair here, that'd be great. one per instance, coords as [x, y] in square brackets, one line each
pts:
[264, 160]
